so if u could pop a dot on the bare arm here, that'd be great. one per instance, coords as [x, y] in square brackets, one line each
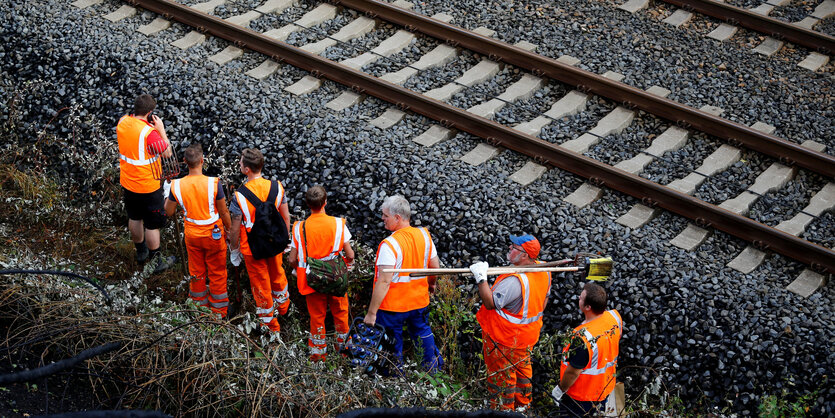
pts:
[223, 211]
[170, 207]
[160, 127]
[569, 377]
[235, 233]
[349, 252]
[432, 280]
[381, 288]
[293, 257]
[284, 210]
[486, 295]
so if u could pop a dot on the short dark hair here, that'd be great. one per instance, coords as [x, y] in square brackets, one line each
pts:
[144, 103]
[253, 159]
[595, 297]
[193, 154]
[316, 197]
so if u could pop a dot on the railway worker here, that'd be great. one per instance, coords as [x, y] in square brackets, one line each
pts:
[266, 276]
[141, 142]
[321, 236]
[587, 372]
[399, 299]
[207, 223]
[510, 319]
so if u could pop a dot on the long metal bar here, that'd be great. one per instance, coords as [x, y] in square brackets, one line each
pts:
[818, 257]
[812, 39]
[736, 134]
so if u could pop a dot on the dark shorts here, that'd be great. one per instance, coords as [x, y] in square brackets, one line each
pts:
[145, 207]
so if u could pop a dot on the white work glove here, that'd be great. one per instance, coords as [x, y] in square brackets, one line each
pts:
[479, 271]
[166, 189]
[557, 393]
[235, 257]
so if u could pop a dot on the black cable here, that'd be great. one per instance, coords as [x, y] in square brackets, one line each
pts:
[110, 414]
[422, 412]
[29, 375]
[61, 273]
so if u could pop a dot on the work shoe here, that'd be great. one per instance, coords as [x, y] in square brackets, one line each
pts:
[162, 263]
[142, 254]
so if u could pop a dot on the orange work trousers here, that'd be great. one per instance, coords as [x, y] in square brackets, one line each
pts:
[508, 374]
[317, 306]
[207, 260]
[269, 288]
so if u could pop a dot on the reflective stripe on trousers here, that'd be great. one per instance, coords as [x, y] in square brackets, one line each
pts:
[280, 296]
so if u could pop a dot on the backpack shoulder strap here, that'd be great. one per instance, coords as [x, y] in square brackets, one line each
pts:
[248, 195]
[273, 191]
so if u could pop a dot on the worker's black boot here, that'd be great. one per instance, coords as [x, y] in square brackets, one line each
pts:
[164, 263]
[142, 252]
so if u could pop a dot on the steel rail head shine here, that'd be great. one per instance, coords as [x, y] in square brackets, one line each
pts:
[673, 111]
[812, 39]
[685, 205]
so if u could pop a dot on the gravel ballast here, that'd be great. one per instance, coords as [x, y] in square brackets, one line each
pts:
[720, 339]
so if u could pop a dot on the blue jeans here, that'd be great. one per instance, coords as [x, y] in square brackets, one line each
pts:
[419, 331]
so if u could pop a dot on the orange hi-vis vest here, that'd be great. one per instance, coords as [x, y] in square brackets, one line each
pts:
[325, 239]
[135, 161]
[260, 187]
[197, 196]
[601, 337]
[518, 329]
[412, 249]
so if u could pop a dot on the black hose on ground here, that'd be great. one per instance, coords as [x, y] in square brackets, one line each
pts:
[109, 414]
[50, 369]
[60, 273]
[422, 412]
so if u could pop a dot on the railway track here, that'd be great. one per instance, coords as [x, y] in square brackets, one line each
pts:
[677, 196]
[777, 31]
[721, 339]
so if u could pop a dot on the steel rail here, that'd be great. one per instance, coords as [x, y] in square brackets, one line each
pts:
[601, 174]
[685, 116]
[812, 39]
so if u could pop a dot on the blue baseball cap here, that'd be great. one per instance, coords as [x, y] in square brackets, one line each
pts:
[529, 243]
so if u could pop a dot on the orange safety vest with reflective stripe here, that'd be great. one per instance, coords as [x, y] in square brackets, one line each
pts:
[601, 337]
[325, 236]
[197, 196]
[135, 162]
[260, 187]
[518, 329]
[412, 248]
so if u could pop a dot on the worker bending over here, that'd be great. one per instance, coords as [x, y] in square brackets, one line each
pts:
[207, 223]
[398, 298]
[269, 284]
[510, 319]
[323, 237]
[141, 141]
[587, 372]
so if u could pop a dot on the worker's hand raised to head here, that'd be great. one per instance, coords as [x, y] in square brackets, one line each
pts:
[157, 122]
[479, 271]
[370, 319]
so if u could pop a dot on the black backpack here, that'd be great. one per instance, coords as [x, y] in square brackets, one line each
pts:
[268, 236]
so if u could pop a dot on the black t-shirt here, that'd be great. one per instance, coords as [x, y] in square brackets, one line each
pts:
[578, 354]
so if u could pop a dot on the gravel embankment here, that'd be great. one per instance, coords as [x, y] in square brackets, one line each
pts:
[718, 337]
